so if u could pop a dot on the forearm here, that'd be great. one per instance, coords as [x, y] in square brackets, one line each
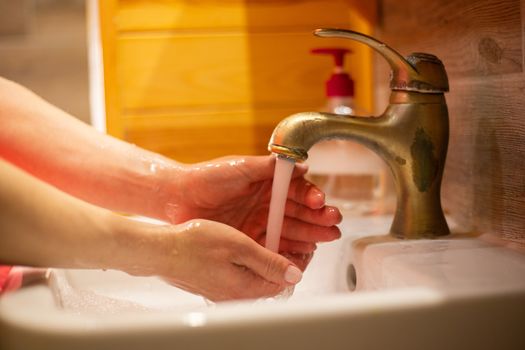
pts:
[42, 226]
[59, 149]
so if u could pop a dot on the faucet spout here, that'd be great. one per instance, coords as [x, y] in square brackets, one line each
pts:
[295, 135]
[411, 136]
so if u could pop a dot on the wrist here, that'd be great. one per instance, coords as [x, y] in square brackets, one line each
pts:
[139, 248]
[169, 190]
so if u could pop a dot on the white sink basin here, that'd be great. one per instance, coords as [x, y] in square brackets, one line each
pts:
[443, 294]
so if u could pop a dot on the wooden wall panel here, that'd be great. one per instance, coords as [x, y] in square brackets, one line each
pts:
[192, 70]
[174, 71]
[475, 38]
[481, 45]
[199, 15]
[180, 75]
[193, 136]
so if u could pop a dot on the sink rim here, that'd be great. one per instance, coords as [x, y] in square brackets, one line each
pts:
[55, 320]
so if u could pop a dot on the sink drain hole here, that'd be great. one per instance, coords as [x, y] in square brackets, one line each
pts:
[351, 277]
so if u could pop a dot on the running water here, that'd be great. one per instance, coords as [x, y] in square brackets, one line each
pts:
[281, 181]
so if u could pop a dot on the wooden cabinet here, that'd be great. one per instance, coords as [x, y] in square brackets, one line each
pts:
[196, 80]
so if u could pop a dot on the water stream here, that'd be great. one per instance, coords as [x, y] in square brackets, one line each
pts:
[281, 181]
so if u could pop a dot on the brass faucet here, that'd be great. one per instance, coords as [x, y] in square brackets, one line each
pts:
[411, 135]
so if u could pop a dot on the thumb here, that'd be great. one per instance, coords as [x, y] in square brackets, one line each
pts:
[271, 266]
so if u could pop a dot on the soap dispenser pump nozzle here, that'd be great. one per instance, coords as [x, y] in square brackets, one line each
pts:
[340, 83]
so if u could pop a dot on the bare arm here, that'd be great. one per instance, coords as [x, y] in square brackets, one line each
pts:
[59, 149]
[72, 156]
[42, 226]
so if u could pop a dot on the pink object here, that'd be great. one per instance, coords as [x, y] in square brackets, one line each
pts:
[293, 275]
[10, 278]
[4, 272]
[340, 83]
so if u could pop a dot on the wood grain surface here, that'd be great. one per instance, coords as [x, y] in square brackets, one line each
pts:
[199, 79]
[481, 44]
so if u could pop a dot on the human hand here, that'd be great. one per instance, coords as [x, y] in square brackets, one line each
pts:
[236, 191]
[201, 256]
[218, 262]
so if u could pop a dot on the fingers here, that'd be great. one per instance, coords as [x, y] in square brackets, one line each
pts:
[270, 266]
[292, 247]
[304, 192]
[221, 263]
[260, 168]
[325, 216]
[297, 247]
[297, 230]
[254, 286]
[239, 282]
[300, 260]
[299, 170]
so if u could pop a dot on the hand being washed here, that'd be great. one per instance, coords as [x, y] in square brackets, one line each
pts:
[236, 191]
[47, 153]
[214, 260]
[200, 256]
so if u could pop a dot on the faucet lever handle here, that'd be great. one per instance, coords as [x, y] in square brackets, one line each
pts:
[419, 72]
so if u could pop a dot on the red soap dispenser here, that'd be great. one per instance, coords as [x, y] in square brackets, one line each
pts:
[340, 86]
[351, 175]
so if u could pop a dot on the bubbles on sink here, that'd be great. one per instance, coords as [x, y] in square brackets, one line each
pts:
[78, 292]
[85, 292]
[84, 301]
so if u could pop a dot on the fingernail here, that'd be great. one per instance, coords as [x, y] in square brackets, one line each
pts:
[293, 275]
[335, 213]
[332, 210]
[319, 197]
[302, 166]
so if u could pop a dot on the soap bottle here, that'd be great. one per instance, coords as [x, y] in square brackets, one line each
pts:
[352, 176]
